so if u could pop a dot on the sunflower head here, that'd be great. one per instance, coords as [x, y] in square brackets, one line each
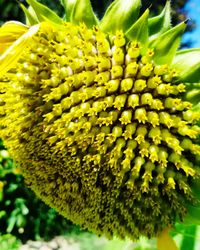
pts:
[99, 115]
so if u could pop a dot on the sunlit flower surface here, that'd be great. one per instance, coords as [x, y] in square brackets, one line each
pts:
[94, 113]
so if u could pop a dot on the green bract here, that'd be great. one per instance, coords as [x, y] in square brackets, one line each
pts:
[97, 115]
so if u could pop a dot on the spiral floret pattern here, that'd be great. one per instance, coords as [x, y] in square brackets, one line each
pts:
[100, 131]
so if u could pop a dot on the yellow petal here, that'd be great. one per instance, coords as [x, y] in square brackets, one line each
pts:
[10, 57]
[4, 46]
[165, 241]
[14, 26]
[10, 32]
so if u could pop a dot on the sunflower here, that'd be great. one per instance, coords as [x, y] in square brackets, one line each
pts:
[102, 116]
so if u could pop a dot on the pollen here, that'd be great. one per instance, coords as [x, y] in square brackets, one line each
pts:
[100, 131]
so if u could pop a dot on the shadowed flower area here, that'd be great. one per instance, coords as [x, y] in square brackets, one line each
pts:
[101, 116]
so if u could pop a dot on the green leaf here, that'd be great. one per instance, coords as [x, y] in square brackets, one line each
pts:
[187, 236]
[2, 213]
[166, 45]
[11, 223]
[139, 30]
[161, 23]
[187, 62]
[78, 11]
[188, 242]
[120, 15]
[43, 13]
[30, 18]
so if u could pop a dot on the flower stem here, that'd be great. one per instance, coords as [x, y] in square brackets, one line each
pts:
[165, 241]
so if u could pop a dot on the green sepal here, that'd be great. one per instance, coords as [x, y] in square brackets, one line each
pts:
[166, 45]
[120, 15]
[187, 62]
[78, 11]
[161, 23]
[30, 18]
[43, 13]
[139, 30]
[68, 6]
[192, 94]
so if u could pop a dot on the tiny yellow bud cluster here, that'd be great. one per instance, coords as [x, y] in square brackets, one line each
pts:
[100, 131]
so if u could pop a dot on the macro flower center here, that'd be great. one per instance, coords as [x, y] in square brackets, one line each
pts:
[103, 128]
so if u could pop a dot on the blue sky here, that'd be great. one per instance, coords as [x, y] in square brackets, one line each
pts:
[193, 9]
